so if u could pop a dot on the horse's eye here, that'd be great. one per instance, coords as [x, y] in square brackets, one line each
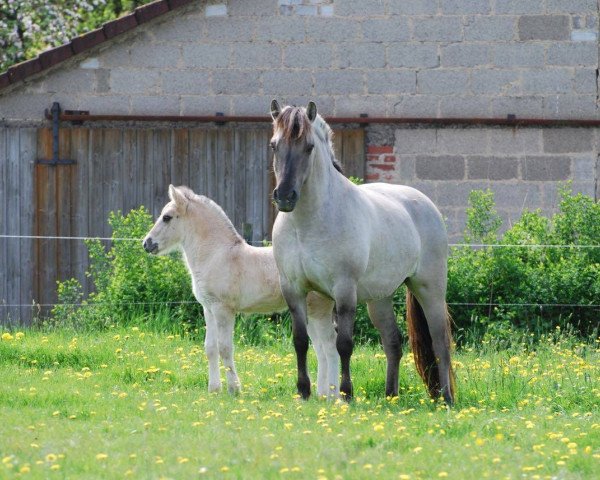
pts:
[167, 218]
[309, 148]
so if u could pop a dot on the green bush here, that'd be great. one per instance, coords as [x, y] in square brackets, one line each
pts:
[129, 284]
[536, 286]
[492, 292]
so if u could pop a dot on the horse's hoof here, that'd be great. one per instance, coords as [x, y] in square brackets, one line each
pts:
[234, 389]
[214, 388]
[303, 387]
[346, 391]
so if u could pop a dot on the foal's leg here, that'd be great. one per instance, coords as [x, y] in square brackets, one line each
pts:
[225, 324]
[382, 315]
[211, 347]
[320, 325]
[345, 305]
[321, 358]
[296, 301]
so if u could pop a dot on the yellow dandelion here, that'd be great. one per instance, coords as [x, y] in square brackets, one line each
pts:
[25, 469]
[443, 474]
[19, 335]
[101, 456]
[51, 457]
[7, 337]
[224, 468]
[182, 460]
[56, 466]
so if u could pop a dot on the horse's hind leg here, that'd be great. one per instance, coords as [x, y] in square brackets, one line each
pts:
[211, 348]
[382, 315]
[345, 305]
[431, 299]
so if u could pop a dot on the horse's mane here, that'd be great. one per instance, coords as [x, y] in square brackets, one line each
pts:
[212, 206]
[294, 125]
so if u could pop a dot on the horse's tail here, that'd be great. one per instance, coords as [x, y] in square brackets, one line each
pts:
[422, 346]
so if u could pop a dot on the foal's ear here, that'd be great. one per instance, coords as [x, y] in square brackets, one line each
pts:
[275, 109]
[311, 111]
[177, 197]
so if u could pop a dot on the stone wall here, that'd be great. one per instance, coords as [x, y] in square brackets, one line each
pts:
[382, 57]
[524, 167]
[385, 58]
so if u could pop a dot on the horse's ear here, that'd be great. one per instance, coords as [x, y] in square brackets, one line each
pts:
[311, 111]
[177, 197]
[275, 109]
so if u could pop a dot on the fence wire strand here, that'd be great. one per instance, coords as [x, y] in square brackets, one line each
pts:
[450, 245]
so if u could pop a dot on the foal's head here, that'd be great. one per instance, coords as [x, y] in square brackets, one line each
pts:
[293, 144]
[168, 231]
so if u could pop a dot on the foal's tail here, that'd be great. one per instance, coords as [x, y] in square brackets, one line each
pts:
[422, 346]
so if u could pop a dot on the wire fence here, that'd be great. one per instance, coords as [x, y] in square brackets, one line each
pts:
[465, 245]
[260, 243]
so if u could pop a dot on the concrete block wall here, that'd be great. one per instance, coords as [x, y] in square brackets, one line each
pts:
[382, 57]
[524, 167]
[411, 58]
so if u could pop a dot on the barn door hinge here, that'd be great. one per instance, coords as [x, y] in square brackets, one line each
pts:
[55, 112]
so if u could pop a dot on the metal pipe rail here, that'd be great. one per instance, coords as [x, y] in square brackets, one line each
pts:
[363, 119]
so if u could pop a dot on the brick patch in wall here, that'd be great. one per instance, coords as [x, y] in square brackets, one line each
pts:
[381, 163]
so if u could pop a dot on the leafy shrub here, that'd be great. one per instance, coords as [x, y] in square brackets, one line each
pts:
[536, 286]
[492, 292]
[129, 284]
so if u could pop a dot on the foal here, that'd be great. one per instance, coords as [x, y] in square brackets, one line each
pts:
[230, 276]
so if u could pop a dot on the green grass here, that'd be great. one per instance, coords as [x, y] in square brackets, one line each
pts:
[132, 403]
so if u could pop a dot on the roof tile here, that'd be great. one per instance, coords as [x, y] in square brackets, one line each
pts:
[178, 3]
[24, 69]
[88, 40]
[120, 25]
[4, 80]
[150, 11]
[56, 55]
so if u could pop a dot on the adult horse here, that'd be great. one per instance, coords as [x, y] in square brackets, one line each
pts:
[353, 244]
[230, 276]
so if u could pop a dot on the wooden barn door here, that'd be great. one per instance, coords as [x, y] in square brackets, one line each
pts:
[124, 168]
[58, 194]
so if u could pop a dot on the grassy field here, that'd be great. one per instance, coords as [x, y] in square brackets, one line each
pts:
[132, 403]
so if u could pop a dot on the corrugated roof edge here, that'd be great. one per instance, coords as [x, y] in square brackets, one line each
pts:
[82, 43]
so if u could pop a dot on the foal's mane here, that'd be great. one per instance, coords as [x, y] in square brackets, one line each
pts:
[213, 206]
[294, 125]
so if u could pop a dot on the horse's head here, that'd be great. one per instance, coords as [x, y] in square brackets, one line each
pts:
[168, 231]
[293, 145]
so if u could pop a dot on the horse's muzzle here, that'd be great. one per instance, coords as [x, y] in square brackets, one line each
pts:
[150, 246]
[285, 203]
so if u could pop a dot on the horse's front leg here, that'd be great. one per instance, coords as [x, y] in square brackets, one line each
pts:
[225, 323]
[211, 348]
[296, 301]
[345, 304]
